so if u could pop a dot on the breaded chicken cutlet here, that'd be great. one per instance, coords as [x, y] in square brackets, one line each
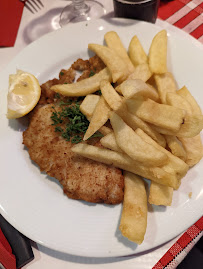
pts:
[81, 178]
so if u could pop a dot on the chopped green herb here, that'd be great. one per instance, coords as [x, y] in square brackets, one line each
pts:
[97, 134]
[58, 129]
[61, 73]
[57, 95]
[92, 73]
[70, 122]
[62, 103]
[65, 83]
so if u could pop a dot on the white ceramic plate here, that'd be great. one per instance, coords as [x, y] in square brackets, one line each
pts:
[35, 204]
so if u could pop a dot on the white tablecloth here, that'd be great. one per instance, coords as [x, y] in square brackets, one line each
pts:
[32, 27]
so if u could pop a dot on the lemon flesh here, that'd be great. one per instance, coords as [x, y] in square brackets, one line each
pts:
[23, 94]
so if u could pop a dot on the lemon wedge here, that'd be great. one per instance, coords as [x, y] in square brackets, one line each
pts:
[23, 94]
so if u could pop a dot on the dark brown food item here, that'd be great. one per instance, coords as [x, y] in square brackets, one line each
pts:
[81, 178]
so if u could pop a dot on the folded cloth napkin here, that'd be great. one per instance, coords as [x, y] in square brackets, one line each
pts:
[174, 256]
[184, 14]
[7, 259]
[10, 17]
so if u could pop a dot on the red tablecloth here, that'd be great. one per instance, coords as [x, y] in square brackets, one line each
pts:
[184, 14]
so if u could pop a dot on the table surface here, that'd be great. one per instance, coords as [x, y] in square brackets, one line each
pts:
[44, 257]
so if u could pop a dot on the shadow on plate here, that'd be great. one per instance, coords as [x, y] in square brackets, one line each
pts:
[42, 25]
[19, 125]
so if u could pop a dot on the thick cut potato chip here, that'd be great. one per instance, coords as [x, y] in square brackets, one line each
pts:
[133, 88]
[113, 41]
[134, 122]
[173, 99]
[134, 146]
[160, 194]
[133, 222]
[158, 53]
[176, 147]
[116, 65]
[110, 95]
[165, 174]
[88, 105]
[136, 52]
[184, 92]
[109, 142]
[99, 118]
[85, 86]
[165, 83]
[174, 163]
[194, 149]
[161, 115]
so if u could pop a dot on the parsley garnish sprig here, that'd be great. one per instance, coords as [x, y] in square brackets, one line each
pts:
[70, 122]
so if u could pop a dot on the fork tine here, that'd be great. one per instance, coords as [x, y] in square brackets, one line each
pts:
[28, 4]
[36, 4]
[40, 3]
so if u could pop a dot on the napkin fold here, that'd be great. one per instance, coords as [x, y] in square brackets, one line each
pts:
[7, 259]
[10, 17]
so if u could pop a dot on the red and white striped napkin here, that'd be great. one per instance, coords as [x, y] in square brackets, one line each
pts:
[184, 14]
[174, 256]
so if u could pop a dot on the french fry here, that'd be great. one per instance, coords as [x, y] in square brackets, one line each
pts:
[161, 115]
[109, 142]
[158, 53]
[110, 95]
[88, 105]
[194, 149]
[133, 88]
[99, 118]
[116, 65]
[115, 102]
[165, 83]
[113, 41]
[133, 223]
[142, 72]
[134, 146]
[134, 122]
[105, 130]
[173, 99]
[176, 147]
[136, 52]
[160, 194]
[174, 163]
[184, 92]
[85, 86]
[191, 126]
[165, 174]
[193, 146]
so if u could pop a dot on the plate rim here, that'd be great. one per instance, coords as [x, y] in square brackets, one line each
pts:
[7, 67]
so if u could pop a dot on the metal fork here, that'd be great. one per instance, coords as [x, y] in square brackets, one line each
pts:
[33, 5]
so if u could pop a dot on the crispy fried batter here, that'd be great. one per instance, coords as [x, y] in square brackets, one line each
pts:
[81, 178]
